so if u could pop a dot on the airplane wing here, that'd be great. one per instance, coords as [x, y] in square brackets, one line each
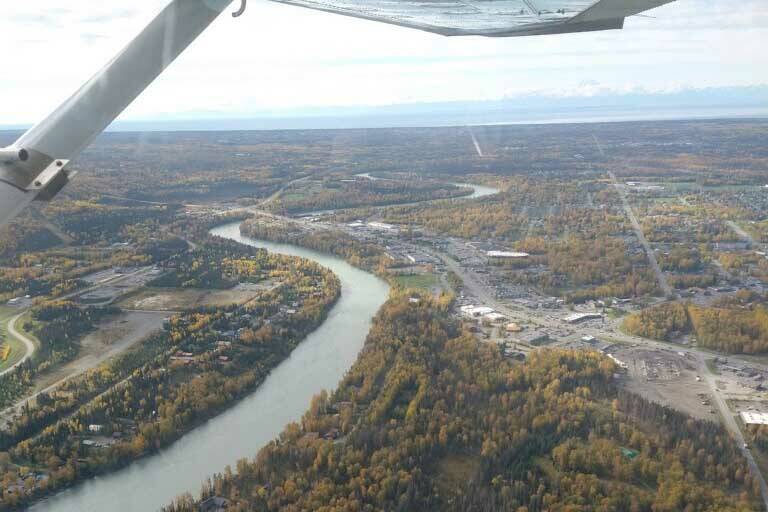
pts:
[491, 18]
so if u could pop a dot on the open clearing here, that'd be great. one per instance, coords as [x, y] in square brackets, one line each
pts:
[425, 281]
[176, 299]
[109, 339]
[667, 378]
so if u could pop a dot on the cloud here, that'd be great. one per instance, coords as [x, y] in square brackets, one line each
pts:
[279, 56]
[110, 16]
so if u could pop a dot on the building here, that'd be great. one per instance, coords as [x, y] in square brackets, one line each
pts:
[381, 226]
[513, 327]
[505, 255]
[533, 338]
[754, 418]
[475, 311]
[494, 317]
[581, 317]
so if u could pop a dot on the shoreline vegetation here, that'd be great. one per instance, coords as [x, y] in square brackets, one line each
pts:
[429, 419]
[363, 255]
[203, 362]
[569, 192]
[734, 325]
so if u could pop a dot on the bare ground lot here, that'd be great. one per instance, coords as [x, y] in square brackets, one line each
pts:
[667, 378]
[175, 299]
[111, 338]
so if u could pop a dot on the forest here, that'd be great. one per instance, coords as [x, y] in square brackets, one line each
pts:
[738, 325]
[365, 255]
[90, 236]
[58, 325]
[332, 194]
[428, 419]
[205, 360]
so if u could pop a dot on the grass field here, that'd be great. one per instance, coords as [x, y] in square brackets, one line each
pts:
[17, 348]
[425, 281]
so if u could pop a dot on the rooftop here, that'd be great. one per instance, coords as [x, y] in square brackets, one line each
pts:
[506, 254]
[578, 317]
[754, 418]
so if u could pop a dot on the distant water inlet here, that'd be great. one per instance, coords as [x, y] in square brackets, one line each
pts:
[477, 190]
[318, 363]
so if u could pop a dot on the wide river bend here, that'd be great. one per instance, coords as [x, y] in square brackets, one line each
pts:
[318, 363]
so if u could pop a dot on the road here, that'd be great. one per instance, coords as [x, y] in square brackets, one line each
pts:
[733, 427]
[282, 189]
[478, 149]
[474, 286]
[134, 327]
[29, 344]
[153, 203]
[741, 233]
[480, 291]
[31, 347]
[660, 277]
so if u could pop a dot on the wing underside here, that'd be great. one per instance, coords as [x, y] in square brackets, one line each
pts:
[493, 18]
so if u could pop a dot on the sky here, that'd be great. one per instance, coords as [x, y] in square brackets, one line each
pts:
[279, 57]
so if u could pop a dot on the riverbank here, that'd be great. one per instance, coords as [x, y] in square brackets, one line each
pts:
[211, 357]
[319, 362]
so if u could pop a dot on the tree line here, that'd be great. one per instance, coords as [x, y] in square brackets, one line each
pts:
[732, 326]
[430, 419]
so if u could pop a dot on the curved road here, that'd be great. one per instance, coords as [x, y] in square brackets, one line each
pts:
[31, 347]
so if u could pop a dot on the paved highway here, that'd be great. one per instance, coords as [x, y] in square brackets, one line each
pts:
[733, 427]
[476, 288]
[28, 343]
[663, 284]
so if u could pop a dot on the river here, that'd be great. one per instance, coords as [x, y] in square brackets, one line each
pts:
[477, 190]
[319, 362]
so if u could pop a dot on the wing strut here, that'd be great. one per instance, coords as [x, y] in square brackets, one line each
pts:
[34, 167]
[241, 10]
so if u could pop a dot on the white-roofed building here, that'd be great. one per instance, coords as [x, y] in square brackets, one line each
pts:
[475, 311]
[381, 226]
[506, 254]
[754, 418]
[580, 317]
